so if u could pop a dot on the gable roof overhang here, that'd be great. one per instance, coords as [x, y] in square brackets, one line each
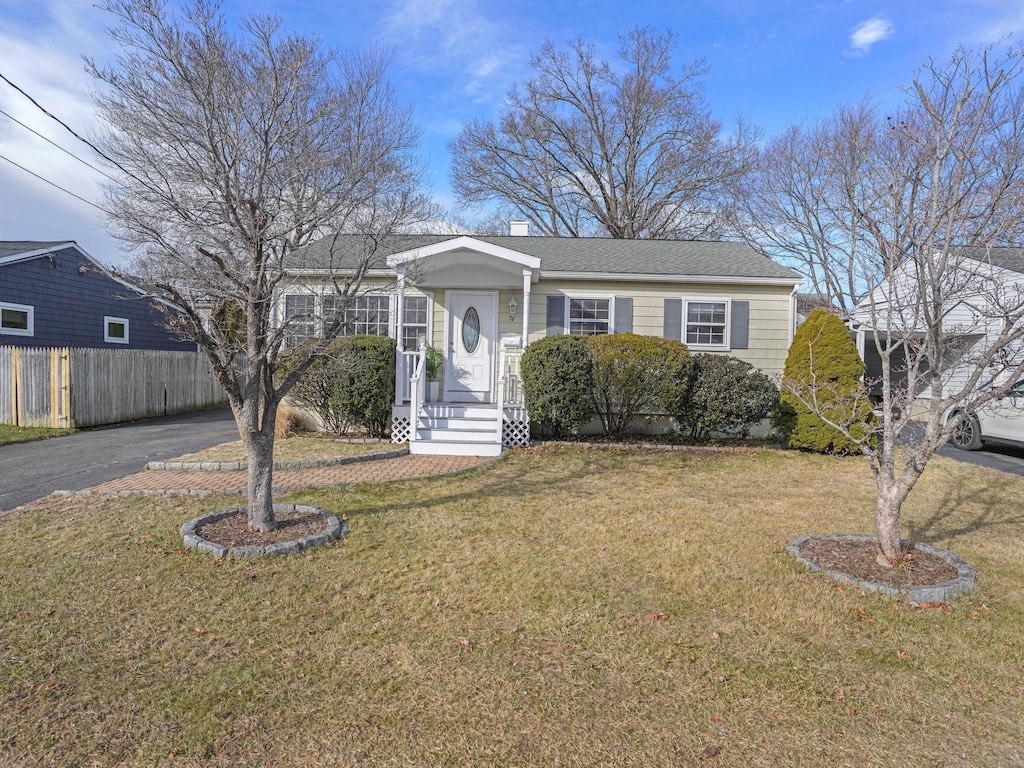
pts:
[465, 262]
[42, 249]
[55, 247]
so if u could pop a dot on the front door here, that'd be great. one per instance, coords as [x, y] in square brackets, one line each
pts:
[472, 329]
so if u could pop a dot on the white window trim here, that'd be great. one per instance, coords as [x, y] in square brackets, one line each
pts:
[610, 297]
[724, 347]
[27, 308]
[392, 310]
[429, 296]
[106, 330]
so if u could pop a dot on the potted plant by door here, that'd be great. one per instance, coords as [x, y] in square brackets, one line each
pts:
[433, 368]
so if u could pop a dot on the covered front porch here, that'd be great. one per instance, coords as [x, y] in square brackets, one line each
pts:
[474, 404]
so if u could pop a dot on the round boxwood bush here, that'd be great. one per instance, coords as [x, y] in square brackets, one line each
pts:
[636, 374]
[725, 395]
[823, 366]
[556, 384]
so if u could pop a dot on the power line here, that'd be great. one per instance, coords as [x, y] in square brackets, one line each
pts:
[67, 127]
[58, 186]
[58, 146]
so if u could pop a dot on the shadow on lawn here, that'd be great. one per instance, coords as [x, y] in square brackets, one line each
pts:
[994, 498]
[498, 480]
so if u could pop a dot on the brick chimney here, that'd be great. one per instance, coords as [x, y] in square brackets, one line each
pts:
[519, 228]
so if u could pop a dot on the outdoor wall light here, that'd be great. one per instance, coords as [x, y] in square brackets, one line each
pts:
[513, 305]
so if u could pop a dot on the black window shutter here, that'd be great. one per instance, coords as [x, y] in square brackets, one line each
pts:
[674, 319]
[556, 315]
[623, 315]
[739, 325]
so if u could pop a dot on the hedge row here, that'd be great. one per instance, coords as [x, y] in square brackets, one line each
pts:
[569, 379]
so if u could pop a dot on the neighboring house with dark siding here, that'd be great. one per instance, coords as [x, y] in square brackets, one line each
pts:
[53, 294]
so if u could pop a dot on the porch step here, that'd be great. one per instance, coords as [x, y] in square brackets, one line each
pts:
[452, 448]
[451, 429]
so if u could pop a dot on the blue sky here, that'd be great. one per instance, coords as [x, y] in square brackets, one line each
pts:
[775, 63]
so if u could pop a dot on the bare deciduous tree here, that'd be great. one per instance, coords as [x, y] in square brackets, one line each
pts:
[905, 216]
[232, 152]
[587, 147]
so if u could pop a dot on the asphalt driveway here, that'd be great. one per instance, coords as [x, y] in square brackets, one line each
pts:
[29, 471]
[1001, 457]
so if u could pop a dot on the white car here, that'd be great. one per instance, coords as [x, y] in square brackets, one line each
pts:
[999, 421]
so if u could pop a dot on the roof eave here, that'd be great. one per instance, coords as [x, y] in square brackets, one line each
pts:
[663, 278]
[14, 258]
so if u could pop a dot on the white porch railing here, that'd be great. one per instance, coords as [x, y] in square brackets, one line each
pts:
[417, 389]
[511, 422]
[406, 364]
[508, 368]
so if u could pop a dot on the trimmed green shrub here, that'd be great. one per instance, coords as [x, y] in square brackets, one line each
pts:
[634, 374]
[725, 394]
[352, 383]
[823, 367]
[556, 384]
[365, 390]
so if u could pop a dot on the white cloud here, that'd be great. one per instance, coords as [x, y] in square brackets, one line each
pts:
[458, 37]
[867, 33]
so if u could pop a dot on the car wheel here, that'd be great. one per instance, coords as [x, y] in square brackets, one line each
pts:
[967, 435]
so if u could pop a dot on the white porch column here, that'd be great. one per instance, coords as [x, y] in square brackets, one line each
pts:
[527, 278]
[400, 372]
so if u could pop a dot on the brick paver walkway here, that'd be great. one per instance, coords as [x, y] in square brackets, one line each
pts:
[383, 470]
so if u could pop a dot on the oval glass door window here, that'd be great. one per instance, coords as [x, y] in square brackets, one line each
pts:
[471, 330]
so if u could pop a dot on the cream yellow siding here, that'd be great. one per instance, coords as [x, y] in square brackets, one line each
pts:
[770, 308]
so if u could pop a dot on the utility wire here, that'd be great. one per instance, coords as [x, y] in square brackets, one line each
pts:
[58, 146]
[58, 186]
[67, 127]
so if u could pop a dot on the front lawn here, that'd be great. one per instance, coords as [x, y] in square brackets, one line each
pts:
[562, 606]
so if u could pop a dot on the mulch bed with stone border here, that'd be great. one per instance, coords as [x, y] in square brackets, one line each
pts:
[926, 574]
[226, 533]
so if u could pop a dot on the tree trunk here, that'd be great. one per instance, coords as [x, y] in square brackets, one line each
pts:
[887, 526]
[259, 449]
[256, 428]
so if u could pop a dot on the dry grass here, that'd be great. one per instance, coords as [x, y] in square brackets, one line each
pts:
[561, 607]
[290, 449]
[11, 434]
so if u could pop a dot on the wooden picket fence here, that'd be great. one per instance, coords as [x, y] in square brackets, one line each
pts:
[70, 387]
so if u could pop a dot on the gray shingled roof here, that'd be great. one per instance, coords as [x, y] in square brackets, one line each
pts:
[13, 247]
[1000, 256]
[576, 254]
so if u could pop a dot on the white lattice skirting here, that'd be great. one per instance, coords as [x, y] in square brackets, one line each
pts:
[401, 425]
[515, 427]
[515, 431]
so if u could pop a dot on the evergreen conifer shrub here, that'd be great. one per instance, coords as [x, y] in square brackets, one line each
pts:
[823, 367]
[352, 383]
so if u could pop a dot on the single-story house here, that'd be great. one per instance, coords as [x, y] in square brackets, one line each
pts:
[53, 294]
[480, 300]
